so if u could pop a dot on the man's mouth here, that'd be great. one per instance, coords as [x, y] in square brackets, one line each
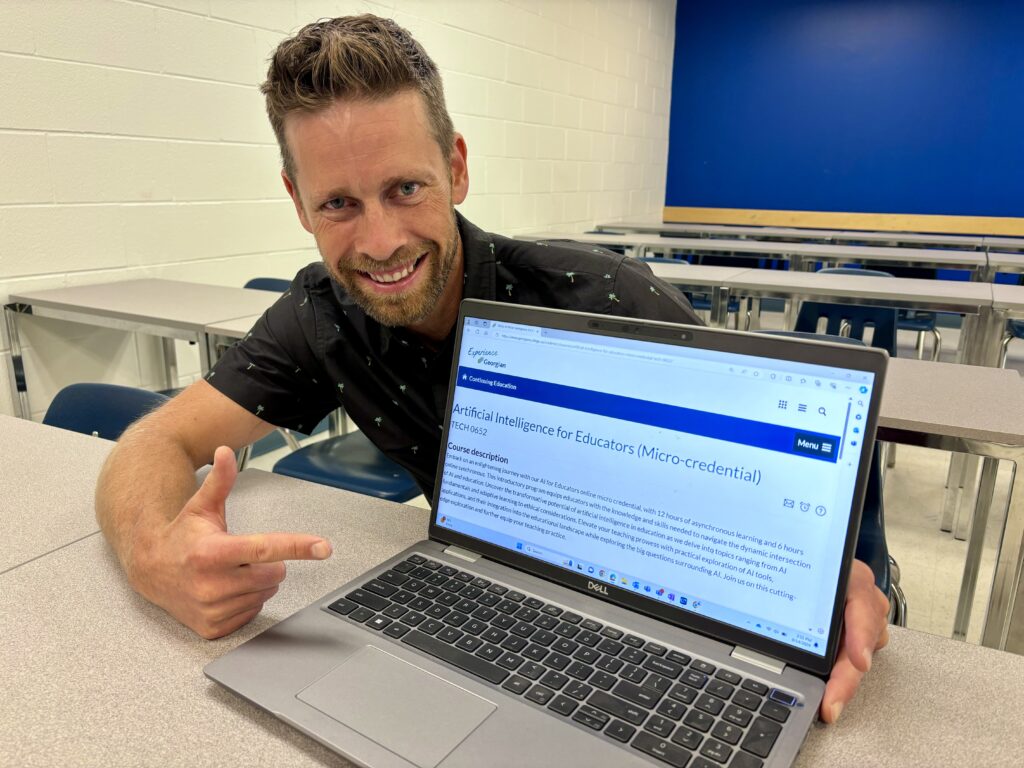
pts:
[393, 276]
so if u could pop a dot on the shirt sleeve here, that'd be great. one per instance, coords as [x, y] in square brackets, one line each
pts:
[638, 293]
[274, 371]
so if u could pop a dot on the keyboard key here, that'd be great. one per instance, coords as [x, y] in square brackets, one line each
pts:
[761, 737]
[436, 579]
[489, 652]
[709, 704]
[591, 625]
[514, 643]
[430, 592]
[342, 606]
[373, 602]
[612, 633]
[634, 641]
[503, 621]
[543, 637]
[403, 567]
[469, 643]
[589, 639]
[497, 589]
[563, 705]
[658, 683]
[577, 690]
[556, 661]
[678, 657]
[510, 661]
[539, 694]
[465, 606]
[487, 598]
[752, 685]
[703, 666]
[638, 695]
[602, 680]
[419, 604]
[744, 760]
[659, 725]
[672, 709]
[464, 577]
[655, 649]
[694, 678]
[432, 565]
[516, 684]
[361, 614]
[565, 647]
[587, 655]
[437, 611]
[579, 670]
[572, 618]
[396, 629]
[412, 618]
[699, 721]
[617, 707]
[663, 667]
[481, 583]
[567, 630]
[736, 715]
[747, 700]
[535, 652]
[402, 596]
[533, 602]
[703, 762]
[720, 688]
[447, 570]
[484, 613]
[515, 596]
[395, 611]
[454, 656]
[688, 737]
[494, 635]
[396, 579]
[474, 627]
[507, 606]
[448, 635]
[716, 750]
[526, 614]
[770, 709]
[431, 626]
[416, 559]
[471, 592]
[620, 731]
[554, 680]
[665, 751]
[590, 717]
[729, 676]
[420, 573]
[551, 610]
[783, 697]
[546, 622]
[456, 619]
[727, 732]
[611, 647]
[633, 673]
[609, 664]
[683, 693]
[454, 586]
[633, 656]
[378, 622]
[532, 670]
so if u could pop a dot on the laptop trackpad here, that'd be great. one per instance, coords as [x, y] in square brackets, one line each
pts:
[405, 709]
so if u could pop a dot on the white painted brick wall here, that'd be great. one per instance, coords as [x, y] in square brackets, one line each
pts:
[133, 142]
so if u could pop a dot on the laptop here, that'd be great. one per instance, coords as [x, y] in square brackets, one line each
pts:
[638, 553]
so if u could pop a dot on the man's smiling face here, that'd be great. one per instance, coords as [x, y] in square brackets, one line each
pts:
[372, 186]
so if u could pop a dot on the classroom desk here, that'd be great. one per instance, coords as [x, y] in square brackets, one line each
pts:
[970, 242]
[171, 309]
[94, 675]
[1004, 244]
[801, 255]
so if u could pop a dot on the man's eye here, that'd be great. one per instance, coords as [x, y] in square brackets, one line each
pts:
[335, 204]
[408, 188]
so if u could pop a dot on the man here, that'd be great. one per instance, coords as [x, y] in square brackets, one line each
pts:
[374, 168]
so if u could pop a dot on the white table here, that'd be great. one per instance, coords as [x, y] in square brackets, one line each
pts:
[170, 309]
[93, 675]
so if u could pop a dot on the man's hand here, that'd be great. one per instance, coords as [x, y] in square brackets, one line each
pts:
[865, 631]
[208, 579]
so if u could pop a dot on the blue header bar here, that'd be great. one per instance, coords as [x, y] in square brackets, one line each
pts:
[757, 434]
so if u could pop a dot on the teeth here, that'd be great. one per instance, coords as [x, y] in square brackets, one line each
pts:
[392, 277]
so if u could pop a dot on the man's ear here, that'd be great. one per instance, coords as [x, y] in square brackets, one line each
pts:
[293, 192]
[459, 170]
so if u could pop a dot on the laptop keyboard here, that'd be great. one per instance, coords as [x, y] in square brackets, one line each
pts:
[680, 710]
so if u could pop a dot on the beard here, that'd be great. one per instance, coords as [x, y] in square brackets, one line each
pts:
[435, 260]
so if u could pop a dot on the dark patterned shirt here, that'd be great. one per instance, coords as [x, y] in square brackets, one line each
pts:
[315, 349]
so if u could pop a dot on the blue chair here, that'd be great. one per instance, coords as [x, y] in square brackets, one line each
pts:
[871, 544]
[850, 321]
[353, 463]
[906, 320]
[274, 284]
[101, 410]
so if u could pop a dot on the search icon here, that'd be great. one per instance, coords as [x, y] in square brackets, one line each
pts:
[821, 410]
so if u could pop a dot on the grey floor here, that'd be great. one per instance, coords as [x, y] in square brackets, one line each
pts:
[931, 561]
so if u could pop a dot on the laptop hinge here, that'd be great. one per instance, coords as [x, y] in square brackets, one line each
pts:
[758, 660]
[465, 554]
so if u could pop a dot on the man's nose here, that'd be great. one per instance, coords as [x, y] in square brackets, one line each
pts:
[379, 232]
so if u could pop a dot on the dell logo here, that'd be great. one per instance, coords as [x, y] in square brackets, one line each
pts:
[598, 588]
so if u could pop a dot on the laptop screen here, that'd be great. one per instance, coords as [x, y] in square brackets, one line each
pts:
[713, 482]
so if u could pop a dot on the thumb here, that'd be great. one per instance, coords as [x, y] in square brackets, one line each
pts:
[212, 495]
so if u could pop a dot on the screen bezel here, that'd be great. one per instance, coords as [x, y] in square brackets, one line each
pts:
[760, 345]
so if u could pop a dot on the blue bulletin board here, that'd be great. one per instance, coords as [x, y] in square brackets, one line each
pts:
[841, 113]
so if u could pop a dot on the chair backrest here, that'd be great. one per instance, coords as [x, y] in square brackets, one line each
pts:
[274, 284]
[871, 545]
[856, 319]
[855, 271]
[103, 410]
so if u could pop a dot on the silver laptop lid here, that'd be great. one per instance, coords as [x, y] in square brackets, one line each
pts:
[709, 478]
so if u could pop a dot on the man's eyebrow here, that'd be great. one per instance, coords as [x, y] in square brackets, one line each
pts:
[423, 175]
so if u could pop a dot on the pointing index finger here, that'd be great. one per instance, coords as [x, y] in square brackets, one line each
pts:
[275, 547]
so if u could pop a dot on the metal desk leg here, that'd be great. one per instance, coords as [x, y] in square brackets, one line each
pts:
[170, 363]
[789, 318]
[19, 389]
[719, 315]
[754, 308]
[1003, 629]
[954, 485]
[967, 506]
[242, 456]
[989, 470]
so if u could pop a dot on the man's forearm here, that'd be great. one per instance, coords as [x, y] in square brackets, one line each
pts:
[144, 484]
